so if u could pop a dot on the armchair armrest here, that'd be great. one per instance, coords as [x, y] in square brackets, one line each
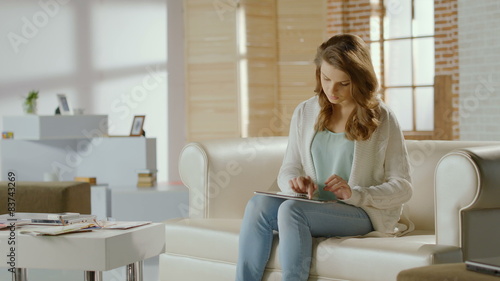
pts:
[223, 174]
[467, 201]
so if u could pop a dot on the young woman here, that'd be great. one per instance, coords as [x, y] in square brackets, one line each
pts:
[344, 143]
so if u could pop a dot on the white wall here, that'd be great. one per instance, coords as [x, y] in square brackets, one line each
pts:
[479, 63]
[176, 80]
[107, 56]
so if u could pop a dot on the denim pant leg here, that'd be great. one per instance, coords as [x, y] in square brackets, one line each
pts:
[299, 221]
[256, 237]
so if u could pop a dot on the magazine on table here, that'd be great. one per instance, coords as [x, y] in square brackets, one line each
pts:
[122, 224]
[54, 230]
[6, 223]
[50, 218]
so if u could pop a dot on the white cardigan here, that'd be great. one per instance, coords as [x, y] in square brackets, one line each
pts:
[380, 176]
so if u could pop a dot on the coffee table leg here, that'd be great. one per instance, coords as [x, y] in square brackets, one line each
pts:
[93, 276]
[20, 275]
[134, 271]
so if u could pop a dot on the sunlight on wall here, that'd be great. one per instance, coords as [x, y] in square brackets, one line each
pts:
[127, 33]
[107, 56]
[123, 98]
[129, 53]
[243, 71]
[37, 41]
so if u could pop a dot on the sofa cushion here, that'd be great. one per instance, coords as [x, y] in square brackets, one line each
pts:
[212, 239]
[343, 257]
[217, 240]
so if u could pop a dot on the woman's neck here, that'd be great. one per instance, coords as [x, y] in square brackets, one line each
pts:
[339, 118]
[343, 111]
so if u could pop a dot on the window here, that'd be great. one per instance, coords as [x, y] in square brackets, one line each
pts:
[402, 46]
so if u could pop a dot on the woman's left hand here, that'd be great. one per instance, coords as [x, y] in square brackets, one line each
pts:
[338, 186]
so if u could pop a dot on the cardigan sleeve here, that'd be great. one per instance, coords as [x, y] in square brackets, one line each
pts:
[395, 188]
[292, 164]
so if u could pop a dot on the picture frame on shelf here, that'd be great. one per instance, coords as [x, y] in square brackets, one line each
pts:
[64, 105]
[137, 126]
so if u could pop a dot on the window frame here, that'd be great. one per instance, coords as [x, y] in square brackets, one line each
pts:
[380, 12]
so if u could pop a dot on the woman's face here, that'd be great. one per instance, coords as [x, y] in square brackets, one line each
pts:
[336, 84]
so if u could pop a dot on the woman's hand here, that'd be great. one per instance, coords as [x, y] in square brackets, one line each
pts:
[338, 186]
[303, 185]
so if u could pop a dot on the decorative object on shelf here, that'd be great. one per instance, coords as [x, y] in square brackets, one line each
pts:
[91, 180]
[137, 126]
[146, 178]
[29, 104]
[78, 111]
[54, 176]
[64, 106]
[7, 135]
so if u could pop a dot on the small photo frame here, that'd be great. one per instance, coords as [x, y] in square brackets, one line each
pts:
[137, 125]
[64, 106]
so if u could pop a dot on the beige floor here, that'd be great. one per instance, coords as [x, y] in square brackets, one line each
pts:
[150, 273]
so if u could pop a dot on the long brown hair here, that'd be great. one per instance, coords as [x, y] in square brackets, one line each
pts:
[350, 54]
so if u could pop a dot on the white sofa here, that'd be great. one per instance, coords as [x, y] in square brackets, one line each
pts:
[455, 208]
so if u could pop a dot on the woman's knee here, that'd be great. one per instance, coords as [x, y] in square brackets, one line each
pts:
[262, 205]
[290, 210]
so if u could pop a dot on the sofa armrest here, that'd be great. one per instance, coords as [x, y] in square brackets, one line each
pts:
[223, 174]
[467, 207]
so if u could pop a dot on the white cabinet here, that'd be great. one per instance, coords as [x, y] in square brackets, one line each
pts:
[79, 146]
[155, 204]
[100, 198]
[73, 146]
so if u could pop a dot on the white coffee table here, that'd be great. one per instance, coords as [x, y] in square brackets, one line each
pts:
[92, 252]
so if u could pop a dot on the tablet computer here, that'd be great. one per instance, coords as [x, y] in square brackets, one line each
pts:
[484, 265]
[294, 196]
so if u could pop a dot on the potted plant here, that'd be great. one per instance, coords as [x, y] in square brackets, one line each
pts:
[29, 104]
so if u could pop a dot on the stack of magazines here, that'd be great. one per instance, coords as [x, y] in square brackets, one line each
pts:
[49, 218]
[38, 224]
[7, 223]
[58, 230]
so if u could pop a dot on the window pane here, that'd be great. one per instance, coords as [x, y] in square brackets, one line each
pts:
[423, 23]
[423, 53]
[376, 60]
[374, 28]
[397, 20]
[424, 105]
[400, 100]
[397, 63]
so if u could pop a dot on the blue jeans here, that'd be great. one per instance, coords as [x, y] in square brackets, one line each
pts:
[296, 222]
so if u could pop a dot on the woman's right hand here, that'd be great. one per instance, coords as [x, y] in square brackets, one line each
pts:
[303, 185]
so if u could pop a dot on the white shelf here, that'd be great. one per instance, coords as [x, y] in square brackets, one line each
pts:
[43, 127]
[111, 160]
[73, 145]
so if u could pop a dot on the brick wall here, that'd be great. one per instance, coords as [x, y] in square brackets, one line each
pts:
[349, 17]
[479, 51]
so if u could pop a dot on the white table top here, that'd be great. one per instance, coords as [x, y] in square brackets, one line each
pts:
[99, 250]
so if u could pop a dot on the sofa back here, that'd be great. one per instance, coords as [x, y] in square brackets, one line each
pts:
[223, 174]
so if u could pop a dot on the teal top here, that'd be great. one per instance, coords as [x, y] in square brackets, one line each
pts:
[332, 153]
